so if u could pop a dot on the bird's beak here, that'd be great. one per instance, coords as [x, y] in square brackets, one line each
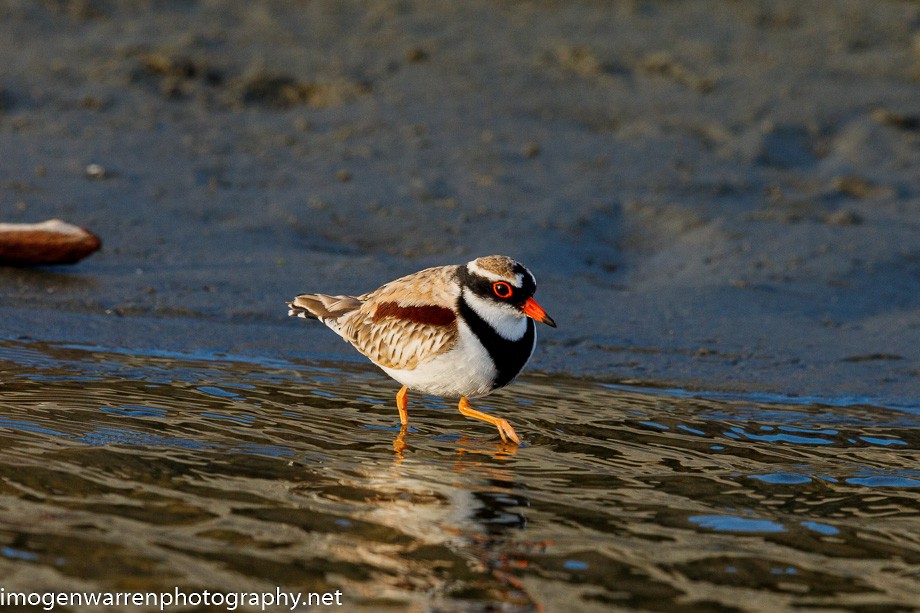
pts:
[535, 311]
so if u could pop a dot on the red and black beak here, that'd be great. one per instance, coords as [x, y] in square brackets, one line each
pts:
[535, 311]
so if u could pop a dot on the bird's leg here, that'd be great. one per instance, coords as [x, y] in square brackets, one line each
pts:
[399, 445]
[504, 428]
[401, 403]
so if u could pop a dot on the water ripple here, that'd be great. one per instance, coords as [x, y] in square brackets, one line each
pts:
[156, 470]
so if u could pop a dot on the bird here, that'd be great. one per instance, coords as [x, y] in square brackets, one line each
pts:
[463, 330]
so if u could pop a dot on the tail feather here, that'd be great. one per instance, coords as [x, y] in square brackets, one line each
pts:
[321, 306]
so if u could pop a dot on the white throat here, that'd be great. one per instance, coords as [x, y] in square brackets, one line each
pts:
[508, 322]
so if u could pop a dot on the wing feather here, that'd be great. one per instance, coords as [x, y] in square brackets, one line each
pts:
[407, 321]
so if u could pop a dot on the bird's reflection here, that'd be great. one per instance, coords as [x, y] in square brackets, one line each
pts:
[399, 443]
[496, 449]
[472, 504]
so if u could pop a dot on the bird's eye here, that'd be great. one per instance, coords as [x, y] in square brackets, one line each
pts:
[501, 289]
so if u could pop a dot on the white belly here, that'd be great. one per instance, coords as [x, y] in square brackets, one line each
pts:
[464, 370]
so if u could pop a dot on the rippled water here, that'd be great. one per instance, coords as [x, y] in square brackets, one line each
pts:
[130, 471]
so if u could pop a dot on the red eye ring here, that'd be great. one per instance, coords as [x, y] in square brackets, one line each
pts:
[502, 289]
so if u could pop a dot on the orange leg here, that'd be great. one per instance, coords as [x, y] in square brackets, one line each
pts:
[504, 428]
[401, 403]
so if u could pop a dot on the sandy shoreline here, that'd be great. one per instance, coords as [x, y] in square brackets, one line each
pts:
[712, 195]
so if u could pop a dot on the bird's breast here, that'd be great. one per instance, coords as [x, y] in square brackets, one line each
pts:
[508, 356]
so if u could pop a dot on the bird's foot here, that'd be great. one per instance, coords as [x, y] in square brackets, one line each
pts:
[504, 428]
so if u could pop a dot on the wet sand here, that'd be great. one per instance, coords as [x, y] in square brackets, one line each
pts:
[737, 208]
[713, 195]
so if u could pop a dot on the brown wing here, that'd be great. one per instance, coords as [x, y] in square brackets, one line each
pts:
[407, 321]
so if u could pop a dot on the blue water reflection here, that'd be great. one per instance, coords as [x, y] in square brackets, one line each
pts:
[732, 523]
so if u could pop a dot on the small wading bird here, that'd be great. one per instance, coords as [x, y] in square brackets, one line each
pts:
[464, 330]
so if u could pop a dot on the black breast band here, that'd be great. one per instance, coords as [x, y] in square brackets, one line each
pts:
[509, 356]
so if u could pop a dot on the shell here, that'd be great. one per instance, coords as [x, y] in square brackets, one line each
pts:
[41, 244]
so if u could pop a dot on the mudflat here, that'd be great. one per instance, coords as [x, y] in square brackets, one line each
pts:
[713, 195]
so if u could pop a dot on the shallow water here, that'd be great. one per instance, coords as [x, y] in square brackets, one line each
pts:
[129, 471]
